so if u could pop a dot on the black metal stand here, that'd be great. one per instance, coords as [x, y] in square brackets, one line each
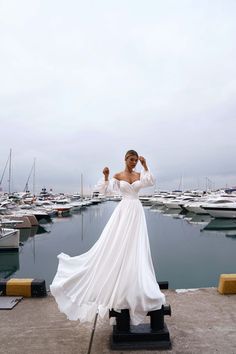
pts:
[144, 336]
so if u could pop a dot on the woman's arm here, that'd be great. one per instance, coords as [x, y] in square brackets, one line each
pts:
[106, 186]
[143, 162]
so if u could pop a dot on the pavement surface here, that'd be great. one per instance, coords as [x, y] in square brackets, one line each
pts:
[202, 321]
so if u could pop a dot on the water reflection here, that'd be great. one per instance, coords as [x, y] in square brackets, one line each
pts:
[9, 264]
[41, 230]
[82, 226]
[225, 226]
[172, 212]
[179, 254]
[231, 234]
[198, 219]
[221, 224]
[157, 208]
[25, 234]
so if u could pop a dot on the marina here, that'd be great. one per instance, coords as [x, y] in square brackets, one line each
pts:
[117, 181]
[189, 249]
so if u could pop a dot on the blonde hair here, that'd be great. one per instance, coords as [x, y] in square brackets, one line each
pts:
[131, 152]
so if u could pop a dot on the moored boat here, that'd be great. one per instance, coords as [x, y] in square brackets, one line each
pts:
[221, 210]
[9, 239]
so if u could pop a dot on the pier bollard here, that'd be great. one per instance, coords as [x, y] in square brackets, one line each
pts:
[157, 317]
[163, 284]
[23, 287]
[153, 335]
[227, 284]
[122, 320]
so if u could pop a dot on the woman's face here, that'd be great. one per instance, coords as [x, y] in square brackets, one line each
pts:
[131, 161]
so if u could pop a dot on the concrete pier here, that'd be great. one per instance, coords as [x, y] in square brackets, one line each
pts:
[203, 321]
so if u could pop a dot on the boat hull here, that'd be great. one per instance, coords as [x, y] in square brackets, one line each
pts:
[9, 239]
[221, 212]
[195, 209]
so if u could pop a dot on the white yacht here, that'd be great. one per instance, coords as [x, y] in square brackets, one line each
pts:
[178, 202]
[223, 208]
[9, 239]
[62, 206]
[76, 204]
[213, 198]
[195, 207]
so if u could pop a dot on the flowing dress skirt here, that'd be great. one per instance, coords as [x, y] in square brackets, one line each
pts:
[116, 273]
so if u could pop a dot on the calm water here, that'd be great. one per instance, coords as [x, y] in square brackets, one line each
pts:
[184, 254]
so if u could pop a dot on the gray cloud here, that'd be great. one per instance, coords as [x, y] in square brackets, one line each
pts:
[84, 82]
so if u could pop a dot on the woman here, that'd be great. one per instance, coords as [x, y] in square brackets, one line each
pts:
[117, 272]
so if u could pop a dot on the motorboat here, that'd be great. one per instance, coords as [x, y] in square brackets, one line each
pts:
[161, 199]
[172, 204]
[39, 215]
[62, 206]
[11, 223]
[9, 239]
[177, 202]
[194, 207]
[76, 204]
[115, 198]
[145, 201]
[86, 202]
[95, 200]
[17, 221]
[221, 209]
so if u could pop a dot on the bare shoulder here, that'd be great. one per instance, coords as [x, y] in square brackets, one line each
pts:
[117, 175]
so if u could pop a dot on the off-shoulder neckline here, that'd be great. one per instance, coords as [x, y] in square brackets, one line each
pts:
[123, 180]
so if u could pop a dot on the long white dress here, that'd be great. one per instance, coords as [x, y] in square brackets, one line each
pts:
[117, 272]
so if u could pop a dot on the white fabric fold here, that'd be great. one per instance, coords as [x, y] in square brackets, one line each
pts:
[110, 187]
[147, 179]
[117, 272]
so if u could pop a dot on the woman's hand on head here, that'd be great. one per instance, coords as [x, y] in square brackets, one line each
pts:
[143, 162]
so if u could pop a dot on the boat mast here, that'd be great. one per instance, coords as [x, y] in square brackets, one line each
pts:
[9, 175]
[34, 176]
[81, 186]
[4, 170]
[27, 182]
[181, 184]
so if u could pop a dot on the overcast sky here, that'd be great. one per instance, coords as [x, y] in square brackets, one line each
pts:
[84, 81]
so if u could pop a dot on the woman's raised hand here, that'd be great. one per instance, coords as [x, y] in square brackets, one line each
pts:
[106, 173]
[143, 162]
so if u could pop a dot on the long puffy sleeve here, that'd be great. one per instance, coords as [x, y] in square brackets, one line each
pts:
[147, 179]
[110, 187]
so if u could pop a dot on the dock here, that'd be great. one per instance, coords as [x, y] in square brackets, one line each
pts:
[203, 321]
